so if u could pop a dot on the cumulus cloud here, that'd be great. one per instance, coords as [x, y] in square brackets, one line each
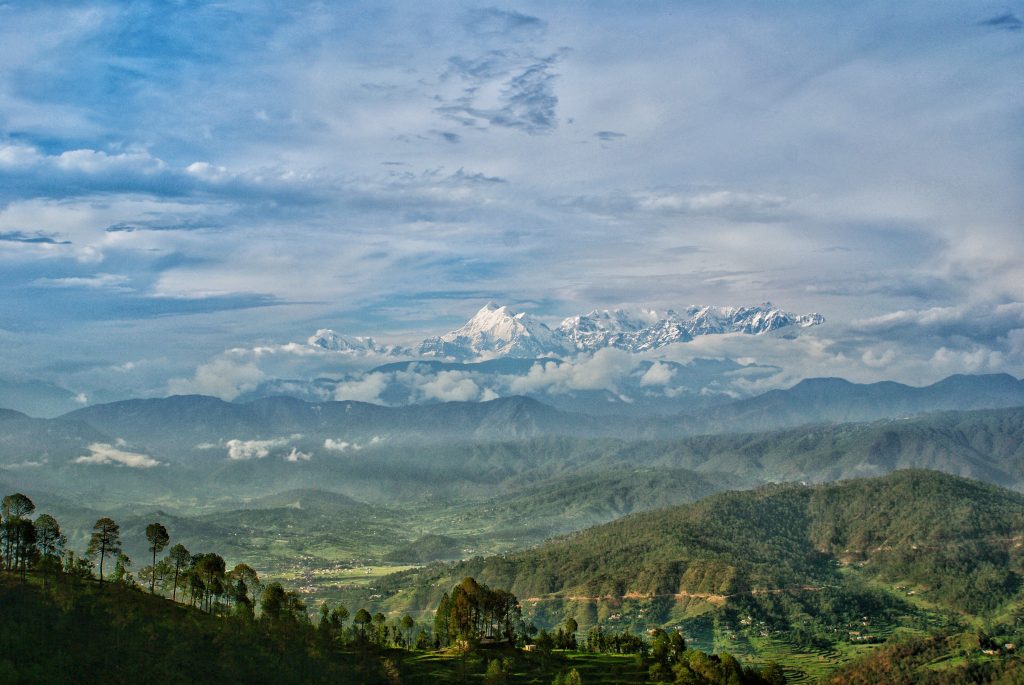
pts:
[658, 374]
[103, 453]
[244, 450]
[342, 446]
[878, 360]
[223, 377]
[451, 386]
[601, 371]
[913, 359]
[296, 456]
[365, 389]
[28, 172]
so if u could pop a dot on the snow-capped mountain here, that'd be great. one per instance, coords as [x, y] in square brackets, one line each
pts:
[757, 320]
[496, 332]
[649, 330]
[329, 340]
[499, 332]
[635, 332]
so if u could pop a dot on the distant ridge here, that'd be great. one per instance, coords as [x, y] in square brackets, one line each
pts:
[834, 400]
[811, 401]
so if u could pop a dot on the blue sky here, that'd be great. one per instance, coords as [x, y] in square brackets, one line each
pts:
[178, 179]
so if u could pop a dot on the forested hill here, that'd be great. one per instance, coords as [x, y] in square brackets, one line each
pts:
[958, 538]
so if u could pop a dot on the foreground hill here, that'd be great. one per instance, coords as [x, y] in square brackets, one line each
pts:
[957, 542]
[971, 658]
[58, 628]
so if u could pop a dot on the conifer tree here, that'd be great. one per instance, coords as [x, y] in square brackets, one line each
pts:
[158, 539]
[49, 537]
[180, 558]
[14, 510]
[105, 541]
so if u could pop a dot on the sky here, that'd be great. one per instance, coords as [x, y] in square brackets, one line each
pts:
[187, 187]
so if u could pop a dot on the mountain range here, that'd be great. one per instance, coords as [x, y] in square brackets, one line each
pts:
[185, 421]
[200, 447]
[497, 331]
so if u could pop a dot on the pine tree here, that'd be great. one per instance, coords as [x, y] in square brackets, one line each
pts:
[180, 558]
[15, 509]
[105, 541]
[158, 539]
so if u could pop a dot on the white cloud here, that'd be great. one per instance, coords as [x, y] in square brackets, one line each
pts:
[878, 360]
[974, 360]
[223, 377]
[658, 374]
[242, 450]
[98, 282]
[27, 464]
[601, 371]
[340, 445]
[96, 161]
[103, 453]
[366, 389]
[296, 456]
[450, 386]
[18, 156]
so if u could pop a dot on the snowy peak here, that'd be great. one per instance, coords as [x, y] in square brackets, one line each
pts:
[608, 321]
[757, 320]
[635, 332]
[495, 332]
[648, 329]
[329, 340]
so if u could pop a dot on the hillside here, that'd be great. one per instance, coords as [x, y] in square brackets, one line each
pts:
[984, 445]
[953, 660]
[59, 628]
[73, 631]
[957, 541]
